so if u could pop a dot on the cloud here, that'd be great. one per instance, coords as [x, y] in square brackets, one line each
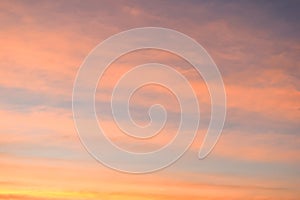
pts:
[255, 45]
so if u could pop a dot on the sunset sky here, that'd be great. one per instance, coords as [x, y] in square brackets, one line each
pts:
[255, 45]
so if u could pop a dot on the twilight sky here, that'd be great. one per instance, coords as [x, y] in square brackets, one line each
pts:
[256, 46]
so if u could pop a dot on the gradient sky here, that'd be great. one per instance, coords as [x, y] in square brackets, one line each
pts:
[256, 47]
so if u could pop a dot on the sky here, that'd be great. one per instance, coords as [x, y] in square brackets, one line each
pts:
[255, 45]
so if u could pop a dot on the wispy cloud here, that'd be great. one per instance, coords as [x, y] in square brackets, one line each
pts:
[256, 47]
